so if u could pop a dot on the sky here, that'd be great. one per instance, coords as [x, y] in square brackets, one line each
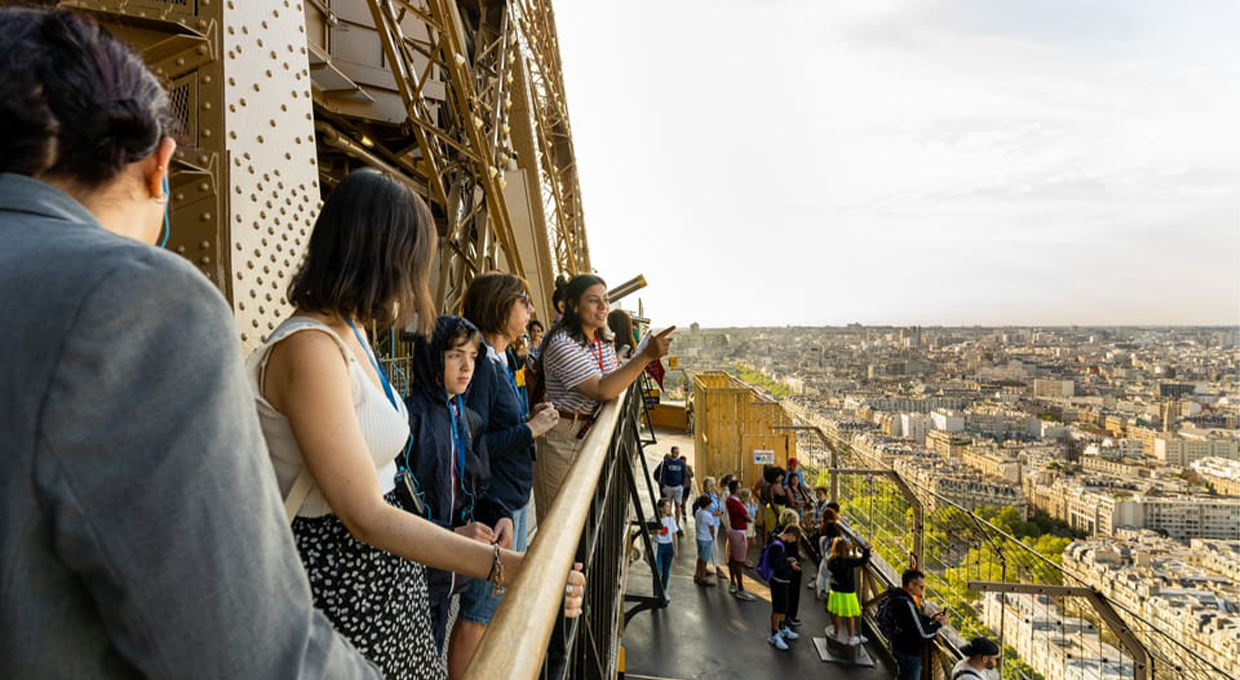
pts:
[1000, 162]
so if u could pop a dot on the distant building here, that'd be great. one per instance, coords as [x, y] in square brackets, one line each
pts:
[915, 426]
[1222, 474]
[949, 445]
[1050, 388]
[1183, 451]
[949, 421]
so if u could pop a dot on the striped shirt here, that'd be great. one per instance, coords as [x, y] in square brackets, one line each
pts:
[568, 363]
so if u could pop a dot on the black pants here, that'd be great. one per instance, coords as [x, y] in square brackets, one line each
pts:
[794, 594]
[440, 607]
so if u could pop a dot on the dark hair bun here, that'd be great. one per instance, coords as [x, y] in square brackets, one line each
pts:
[75, 102]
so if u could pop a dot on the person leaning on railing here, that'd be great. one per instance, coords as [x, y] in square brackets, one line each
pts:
[140, 528]
[579, 370]
[331, 418]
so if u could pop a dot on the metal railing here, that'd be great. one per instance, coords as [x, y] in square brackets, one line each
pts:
[992, 583]
[592, 521]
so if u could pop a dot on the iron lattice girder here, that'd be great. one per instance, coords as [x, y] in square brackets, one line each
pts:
[462, 147]
[556, 155]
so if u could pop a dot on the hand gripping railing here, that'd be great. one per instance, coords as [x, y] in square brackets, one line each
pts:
[589, 523]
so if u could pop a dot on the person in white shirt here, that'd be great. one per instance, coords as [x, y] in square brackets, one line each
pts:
[665, 541]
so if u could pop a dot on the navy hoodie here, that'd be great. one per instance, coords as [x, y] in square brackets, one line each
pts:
[431, 458]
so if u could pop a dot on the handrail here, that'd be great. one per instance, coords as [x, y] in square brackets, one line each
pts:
[516, 641]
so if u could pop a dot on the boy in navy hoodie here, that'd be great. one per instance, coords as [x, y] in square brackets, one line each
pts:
[446, 459]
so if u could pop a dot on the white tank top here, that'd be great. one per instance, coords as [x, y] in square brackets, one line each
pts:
[384, 428]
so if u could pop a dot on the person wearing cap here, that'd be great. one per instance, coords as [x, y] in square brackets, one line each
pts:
[794, 470]
[980, 655]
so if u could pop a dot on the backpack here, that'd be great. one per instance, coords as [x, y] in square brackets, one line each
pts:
[967, 673]
[887, 618]
[765, 570]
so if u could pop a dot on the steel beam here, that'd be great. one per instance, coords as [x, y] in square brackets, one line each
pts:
[1143, 662]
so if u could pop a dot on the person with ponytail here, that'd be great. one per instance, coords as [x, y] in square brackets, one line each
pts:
[141, 529]
[579, 369]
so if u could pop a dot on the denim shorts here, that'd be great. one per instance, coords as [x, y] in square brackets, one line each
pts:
[704, 549]
[479, 601]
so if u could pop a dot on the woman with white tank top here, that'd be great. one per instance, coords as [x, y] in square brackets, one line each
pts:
[335, 426]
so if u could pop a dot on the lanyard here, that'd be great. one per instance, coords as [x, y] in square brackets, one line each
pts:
[522, 407]
[458, 438]
[599, 346]
[387, 386]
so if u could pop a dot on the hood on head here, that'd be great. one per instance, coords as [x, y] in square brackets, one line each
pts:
[428, 355]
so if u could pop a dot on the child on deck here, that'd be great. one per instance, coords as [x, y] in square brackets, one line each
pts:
[842, 603]
[705, 521]
[445, 467]
[665, 541]
[782, 570]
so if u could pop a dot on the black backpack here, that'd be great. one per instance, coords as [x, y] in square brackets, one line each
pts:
[887, 618]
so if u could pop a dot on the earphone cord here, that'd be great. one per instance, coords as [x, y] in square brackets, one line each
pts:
[167, 223]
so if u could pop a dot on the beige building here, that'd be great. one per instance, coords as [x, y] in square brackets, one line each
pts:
[949, 445]
[1184, 451]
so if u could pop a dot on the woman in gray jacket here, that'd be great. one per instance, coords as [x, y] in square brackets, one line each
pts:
[141, 534]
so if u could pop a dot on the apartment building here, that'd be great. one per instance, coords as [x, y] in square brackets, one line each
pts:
[1223, 475]
[1183, 451]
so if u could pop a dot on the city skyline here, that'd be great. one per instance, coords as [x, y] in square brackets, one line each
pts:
[928, 162]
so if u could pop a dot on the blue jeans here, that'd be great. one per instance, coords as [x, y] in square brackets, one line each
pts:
[908, 666]
[663, 559]
[479, 601]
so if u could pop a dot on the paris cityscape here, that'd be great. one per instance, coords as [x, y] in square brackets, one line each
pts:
[1121, 442]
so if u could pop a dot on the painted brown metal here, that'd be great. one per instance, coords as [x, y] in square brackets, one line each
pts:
[281, 99]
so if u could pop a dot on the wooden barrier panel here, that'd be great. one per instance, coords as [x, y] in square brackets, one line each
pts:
[732, 421]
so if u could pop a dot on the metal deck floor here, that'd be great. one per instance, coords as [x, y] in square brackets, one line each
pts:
[706, 634]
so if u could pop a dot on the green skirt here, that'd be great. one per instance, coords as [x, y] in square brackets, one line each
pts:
[843, 604]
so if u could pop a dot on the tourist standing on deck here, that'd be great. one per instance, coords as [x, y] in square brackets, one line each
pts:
[499, 305]
[665, 543]
[140, 529]
[671, 476]
[908, 629]
[740, 520]
[704, 523]
[333, 421]
[793, 550]
[842, 602]
[580, 370]
[779, 567]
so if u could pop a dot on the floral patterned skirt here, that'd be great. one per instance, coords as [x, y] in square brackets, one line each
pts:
[374, 598]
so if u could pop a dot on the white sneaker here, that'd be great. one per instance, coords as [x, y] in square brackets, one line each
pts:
[863, 639]
[789, 634]
[778, 641]
[853, 641]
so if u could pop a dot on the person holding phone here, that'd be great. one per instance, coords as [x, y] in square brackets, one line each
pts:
[580, 370]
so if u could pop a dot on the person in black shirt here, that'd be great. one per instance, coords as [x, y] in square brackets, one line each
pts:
[842, 603]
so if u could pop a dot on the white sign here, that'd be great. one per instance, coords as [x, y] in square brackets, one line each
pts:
[761, 457]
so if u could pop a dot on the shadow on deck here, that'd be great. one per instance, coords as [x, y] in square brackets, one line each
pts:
[706, 634]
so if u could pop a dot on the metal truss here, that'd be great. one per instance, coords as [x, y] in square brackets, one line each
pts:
[553, 136]
[464, 144]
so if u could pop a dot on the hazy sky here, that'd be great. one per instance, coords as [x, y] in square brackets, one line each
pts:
[770, 162]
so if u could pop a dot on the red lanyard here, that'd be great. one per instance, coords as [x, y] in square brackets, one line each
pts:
[599, 344]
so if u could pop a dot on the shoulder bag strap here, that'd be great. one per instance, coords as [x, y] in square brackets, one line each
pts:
[297, 495]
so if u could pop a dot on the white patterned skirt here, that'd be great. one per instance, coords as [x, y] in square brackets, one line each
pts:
[374, 598]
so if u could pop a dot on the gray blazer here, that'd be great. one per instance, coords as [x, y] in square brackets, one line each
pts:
[141, 532]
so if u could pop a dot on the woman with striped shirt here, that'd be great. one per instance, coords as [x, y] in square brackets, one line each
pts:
[580, 370]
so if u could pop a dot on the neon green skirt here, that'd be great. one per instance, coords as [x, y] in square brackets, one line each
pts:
[843, 604]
